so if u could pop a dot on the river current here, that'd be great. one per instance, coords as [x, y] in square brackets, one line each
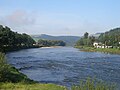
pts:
[66, 65]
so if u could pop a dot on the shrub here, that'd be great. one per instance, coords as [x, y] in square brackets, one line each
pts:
[4, 68]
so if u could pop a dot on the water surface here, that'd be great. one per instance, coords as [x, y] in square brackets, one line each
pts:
[66, 65]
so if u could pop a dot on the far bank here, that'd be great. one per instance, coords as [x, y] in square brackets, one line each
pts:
[93, 49]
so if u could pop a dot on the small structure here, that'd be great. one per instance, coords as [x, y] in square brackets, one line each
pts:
[100, 45]
[95, 44]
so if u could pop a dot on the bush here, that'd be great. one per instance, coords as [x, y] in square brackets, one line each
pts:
[4, 68]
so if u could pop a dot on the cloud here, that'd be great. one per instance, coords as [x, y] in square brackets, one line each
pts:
[18, 18]
[48, 23]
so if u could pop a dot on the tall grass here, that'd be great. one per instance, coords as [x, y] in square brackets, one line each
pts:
[91, 84]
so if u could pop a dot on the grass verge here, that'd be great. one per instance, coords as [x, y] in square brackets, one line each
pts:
[105, 50]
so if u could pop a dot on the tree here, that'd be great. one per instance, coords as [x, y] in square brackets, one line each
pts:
[9, 38]
[86, 40]
[86, 35]
[42, 42]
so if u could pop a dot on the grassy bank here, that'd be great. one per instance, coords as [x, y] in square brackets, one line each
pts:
[105, 50]
[89, 84]
[24, 86]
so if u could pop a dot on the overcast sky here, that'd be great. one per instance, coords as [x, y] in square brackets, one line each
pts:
[60, 17]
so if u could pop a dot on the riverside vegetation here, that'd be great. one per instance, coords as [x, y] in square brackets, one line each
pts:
[109, 38]
[12, 79]
[10, 41]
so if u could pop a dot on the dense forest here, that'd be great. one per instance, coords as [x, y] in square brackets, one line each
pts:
[10, 39]
[42, 42]
[109, 38]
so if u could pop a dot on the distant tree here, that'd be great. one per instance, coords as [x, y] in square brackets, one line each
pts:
[86, 35]
[86, 40]
[42, 42]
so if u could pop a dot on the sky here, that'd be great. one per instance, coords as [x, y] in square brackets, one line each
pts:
[60, 17]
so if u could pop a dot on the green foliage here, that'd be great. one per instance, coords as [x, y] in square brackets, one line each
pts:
[23, 86]
[86, 40]
[9, 38]
[42, 42]
[9, 73]
[90, 84]
[86, 35]
[4, 68]
[69, 40]
[111, 37]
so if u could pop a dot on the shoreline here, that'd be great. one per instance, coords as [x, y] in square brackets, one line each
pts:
[51, 46]
[103, 50]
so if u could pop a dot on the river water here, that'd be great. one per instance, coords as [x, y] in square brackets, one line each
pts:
[66, 65]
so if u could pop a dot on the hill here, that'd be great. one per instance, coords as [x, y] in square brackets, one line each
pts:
[69, 40]
[111, 37]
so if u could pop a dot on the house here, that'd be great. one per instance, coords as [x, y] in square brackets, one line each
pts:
[100, 45]
[95, 44]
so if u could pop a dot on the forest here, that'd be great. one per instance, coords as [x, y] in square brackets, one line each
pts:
[111, 37]
[10, 39]
[42, 42]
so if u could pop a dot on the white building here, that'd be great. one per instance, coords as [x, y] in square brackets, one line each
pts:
[100, 45]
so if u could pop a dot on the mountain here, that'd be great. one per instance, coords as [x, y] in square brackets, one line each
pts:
[69, 40]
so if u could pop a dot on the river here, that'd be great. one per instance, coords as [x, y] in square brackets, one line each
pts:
[65, 65]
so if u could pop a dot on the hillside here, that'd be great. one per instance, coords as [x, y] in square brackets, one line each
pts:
[111, 37]
[69, 40]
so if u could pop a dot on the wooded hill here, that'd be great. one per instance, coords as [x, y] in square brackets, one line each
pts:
[69, 40]
[10, 39]
[111, 37]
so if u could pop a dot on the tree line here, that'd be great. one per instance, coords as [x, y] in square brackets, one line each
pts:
[109, 38]
[8, 38]
[86, 40]
[42, 42]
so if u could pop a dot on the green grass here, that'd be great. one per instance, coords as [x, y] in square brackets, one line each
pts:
[23, 86]
[105, 50]
[89, 84]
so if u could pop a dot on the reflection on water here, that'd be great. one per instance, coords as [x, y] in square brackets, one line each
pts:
[66, 65]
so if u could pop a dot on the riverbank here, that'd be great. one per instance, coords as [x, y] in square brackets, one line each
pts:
[5, 49]
[52, 47]
[105, 50]
[12, 79]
